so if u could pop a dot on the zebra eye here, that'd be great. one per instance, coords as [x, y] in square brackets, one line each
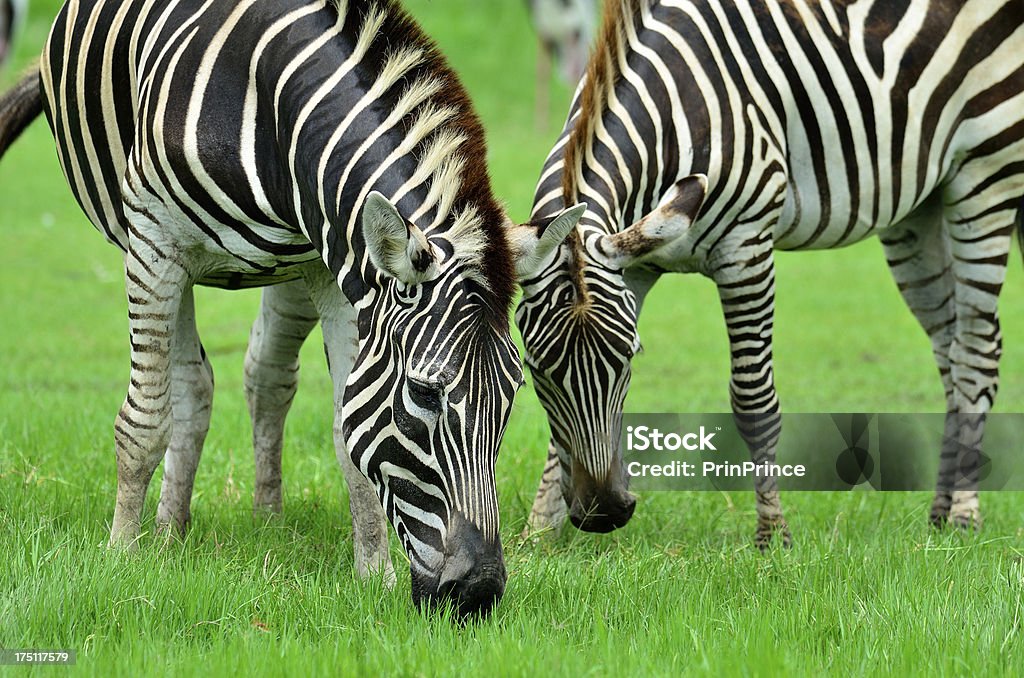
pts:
[426, 394]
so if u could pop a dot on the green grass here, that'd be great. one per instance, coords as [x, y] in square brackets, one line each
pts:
[868, 588]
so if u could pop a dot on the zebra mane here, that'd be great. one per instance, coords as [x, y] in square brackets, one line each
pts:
[451, 148]
[603, 73]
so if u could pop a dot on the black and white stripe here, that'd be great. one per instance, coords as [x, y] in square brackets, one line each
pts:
[249, 143]
[708, 134]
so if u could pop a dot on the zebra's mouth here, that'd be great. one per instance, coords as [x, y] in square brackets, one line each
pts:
[599, 505]
[470, 599]
[471, 578]
[602, 515]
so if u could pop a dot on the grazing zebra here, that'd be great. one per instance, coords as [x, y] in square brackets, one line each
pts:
[565, 31]
[707, 135]
[248, 143]
[12, 13]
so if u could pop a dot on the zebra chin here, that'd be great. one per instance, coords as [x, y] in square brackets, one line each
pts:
[471, 578]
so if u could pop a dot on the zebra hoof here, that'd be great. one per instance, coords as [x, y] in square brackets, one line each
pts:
[172, 526]
[537, 535]
[544, 525]
[263, 512]
[126, 539]
[939, 514]
[764, 535]
[968, 521]
[938, 519]
[266, 503]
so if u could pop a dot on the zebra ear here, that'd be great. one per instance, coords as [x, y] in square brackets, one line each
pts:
[664, 224]
[533, 242]
[396, 246]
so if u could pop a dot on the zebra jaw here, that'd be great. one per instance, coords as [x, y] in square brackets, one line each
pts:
[397, 247]
[666, 223]
[533, 242]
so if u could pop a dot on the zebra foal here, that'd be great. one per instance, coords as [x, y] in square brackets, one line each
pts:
[250, 143]
[705, 136]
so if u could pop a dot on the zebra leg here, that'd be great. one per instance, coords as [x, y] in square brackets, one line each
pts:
[341, 341]
[747, 294]
[191, 404]
[918, 253]
[286, 318]
[142, 429]
[549, 509]
[980, 213]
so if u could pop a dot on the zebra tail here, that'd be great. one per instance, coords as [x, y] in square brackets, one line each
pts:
[19, 106]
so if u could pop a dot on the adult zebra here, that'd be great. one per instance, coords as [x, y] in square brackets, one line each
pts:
[565, 31]
[708, 134]
[243, 143]
[12, 13]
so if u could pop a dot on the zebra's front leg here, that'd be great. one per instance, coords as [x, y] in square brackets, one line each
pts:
[142, 429]
[747, 293]
[341, 342]
[549, 509]
[286, 318]
[191, 405]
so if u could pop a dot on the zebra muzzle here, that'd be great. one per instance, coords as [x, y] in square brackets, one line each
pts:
[472, 576]
[599, 506]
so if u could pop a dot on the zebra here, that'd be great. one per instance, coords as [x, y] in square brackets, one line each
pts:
[315, 143]
[565, 31]
[708, 134]
[12, 14]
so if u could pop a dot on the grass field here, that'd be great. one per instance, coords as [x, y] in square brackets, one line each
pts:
[868, 588]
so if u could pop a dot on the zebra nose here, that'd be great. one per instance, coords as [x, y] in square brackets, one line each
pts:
[602, 513]
[599, 506]
[473, 576]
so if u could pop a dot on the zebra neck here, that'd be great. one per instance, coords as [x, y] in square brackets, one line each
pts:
[656, 120]
[355, 112]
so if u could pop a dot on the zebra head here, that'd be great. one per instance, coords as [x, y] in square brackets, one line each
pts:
[578, 318]
[430, 393]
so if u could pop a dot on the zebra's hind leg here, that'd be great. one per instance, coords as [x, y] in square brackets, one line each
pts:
[747, 294]
[286, 318]
[191, 404]
[155, 285]
[549, 509]
[341, 341]
[918, 253]
[981, 209]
